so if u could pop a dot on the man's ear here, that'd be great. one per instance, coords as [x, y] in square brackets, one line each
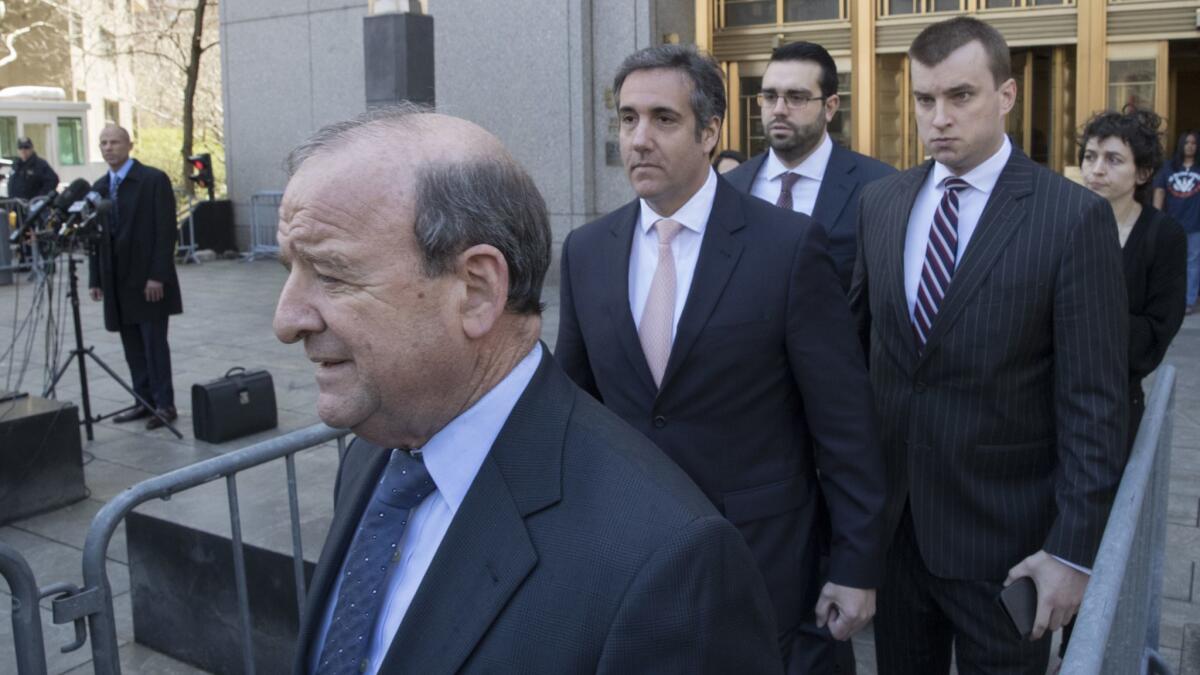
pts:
[484, 274]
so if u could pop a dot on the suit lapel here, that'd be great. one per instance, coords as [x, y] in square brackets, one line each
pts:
[895, 234]
[836, 187]
[1001, 217]
[351, 503]
[719, 253]
[487, 552]
[744, 176]
[622, 226]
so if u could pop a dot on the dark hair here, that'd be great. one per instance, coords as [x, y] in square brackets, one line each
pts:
[811, 51]
[459, 205]
[729, 154]
[1177, 159]
[943, 38]
[708, 82]
[1139, 130]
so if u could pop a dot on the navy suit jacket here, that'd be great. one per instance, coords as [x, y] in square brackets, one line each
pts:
[836, 208]
[1006, 433]
[765, 385]
[579, 548]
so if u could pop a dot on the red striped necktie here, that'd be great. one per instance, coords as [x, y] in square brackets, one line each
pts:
[940, 255]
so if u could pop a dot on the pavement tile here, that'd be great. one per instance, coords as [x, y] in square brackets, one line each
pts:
[54, 562]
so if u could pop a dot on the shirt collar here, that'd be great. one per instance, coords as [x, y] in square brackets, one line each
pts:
[455, 453]
[812, 167]
[693, 214]
[121, 172]
[982, 177]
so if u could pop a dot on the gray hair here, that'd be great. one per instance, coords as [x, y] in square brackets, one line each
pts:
[708, 81]
[488, 200]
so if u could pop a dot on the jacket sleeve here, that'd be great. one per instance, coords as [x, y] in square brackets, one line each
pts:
[697, 605]
[48, 177]
[165, 229]
[1154, 325]
[829, 370]
[569, 349]
[1091, 382]
[860, 296]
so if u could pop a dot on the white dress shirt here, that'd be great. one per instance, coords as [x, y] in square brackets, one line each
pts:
[804, 191]
[453, 457]
[971, 201]
[643, 255]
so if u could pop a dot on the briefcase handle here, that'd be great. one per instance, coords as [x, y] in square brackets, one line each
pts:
[234, 369]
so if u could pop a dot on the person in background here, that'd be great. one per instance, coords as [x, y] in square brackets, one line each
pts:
[1118, 156]
[728, 160]
[1177, 192]
[31, 176]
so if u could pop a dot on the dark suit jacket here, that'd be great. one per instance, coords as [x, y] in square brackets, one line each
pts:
[764, 386]
[1155, 259]
[144, 248]
[836, 208]
[1007, 433]
[579, 548]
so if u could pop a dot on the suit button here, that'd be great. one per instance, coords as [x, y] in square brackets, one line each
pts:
[660, 422]
[919, 387]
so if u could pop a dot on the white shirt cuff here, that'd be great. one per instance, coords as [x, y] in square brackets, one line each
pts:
[1072, 565]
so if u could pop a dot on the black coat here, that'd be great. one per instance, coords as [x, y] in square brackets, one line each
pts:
[836, 208]
[1007, 434]
[579, 548]
[143, 249]
[765, 394]
[32, 178]
[1155, 258]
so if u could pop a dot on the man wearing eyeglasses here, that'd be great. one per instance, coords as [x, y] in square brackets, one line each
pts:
[804, 170]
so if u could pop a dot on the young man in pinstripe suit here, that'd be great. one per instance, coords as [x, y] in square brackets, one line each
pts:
[988, 292]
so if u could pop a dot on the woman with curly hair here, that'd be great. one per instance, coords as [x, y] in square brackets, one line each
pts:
[1119, 154]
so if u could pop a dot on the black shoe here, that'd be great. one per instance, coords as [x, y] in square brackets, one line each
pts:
[135, 413]
[164, 413]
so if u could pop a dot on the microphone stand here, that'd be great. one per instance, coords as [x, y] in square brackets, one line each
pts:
[80, 352]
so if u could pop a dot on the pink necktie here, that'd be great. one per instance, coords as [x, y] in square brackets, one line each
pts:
[658, 317]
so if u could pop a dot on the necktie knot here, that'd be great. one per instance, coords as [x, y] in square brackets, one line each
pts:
[788, 180]
[405, 481]
[667, 229]
[955, 184]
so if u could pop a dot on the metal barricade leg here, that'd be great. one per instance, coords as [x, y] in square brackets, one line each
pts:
[26, 617]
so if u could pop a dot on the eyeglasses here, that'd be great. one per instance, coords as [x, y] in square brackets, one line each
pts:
[793, 100]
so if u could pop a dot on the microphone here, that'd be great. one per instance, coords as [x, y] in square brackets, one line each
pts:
[36, 206]
[76, 191]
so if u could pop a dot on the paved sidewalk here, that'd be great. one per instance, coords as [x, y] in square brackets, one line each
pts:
[227, 321]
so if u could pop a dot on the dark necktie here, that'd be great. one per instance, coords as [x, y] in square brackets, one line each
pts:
[940, 255]
[375, 548]
[112, 196]
[785, 190]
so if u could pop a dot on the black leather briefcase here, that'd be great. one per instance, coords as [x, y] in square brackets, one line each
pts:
[239, 404]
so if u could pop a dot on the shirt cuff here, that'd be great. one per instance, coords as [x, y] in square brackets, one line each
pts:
[1072, 565]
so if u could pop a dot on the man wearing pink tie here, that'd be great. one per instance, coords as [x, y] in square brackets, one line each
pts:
[715, 324]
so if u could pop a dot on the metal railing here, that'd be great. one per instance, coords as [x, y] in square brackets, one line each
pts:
[264, 219]
[1117, 629]
[94, 602]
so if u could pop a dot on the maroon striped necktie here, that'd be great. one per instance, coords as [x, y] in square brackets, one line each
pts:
[940, 255]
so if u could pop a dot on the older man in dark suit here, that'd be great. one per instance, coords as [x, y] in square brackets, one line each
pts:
[490, 517]
[133, 271]
[714, 324]
[804, 170]
[990, 295]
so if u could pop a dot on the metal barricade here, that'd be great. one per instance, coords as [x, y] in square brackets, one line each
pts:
[1117, 629]
[94, 603]
[264, 219]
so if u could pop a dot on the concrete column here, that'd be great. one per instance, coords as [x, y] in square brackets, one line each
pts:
[398, 58]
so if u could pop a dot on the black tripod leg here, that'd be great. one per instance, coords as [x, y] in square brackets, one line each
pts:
[129, 389]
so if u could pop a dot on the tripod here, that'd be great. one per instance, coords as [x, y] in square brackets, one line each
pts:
[80, 351]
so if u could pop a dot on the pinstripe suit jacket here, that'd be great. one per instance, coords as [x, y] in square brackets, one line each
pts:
[1007, 433]
[579, 548]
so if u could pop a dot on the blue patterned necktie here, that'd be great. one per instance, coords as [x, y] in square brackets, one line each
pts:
[940, 256]
[113, 185]
[405, 482]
